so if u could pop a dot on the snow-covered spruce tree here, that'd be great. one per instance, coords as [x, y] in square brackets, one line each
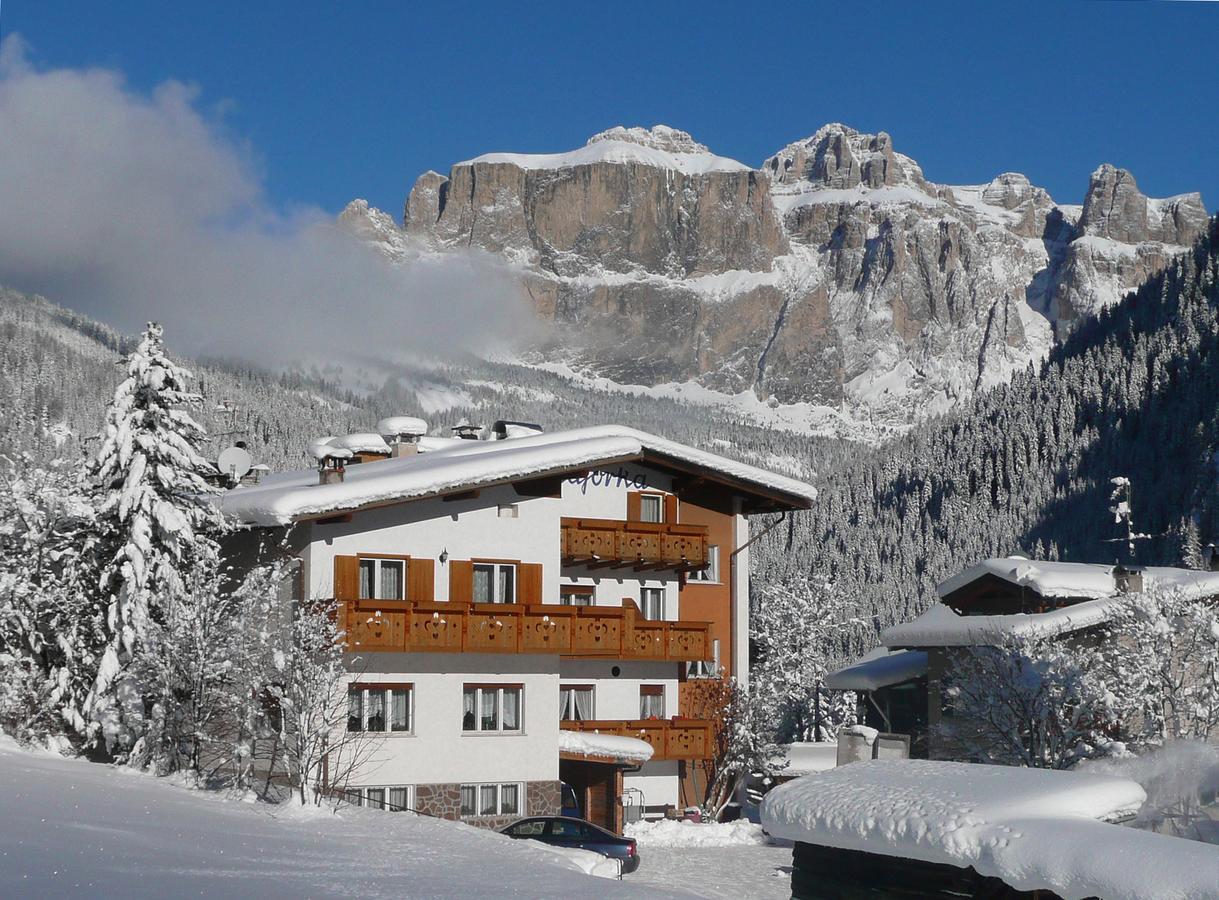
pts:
[50, 629]
[1161, 660]
[1035, 703]
[801, 632]
[154, 524]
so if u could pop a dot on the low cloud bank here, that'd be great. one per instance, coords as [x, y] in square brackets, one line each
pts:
[130, 206]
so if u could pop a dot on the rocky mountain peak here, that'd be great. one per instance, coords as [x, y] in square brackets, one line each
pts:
[658, 137]
[838, 156]
[376, 228]
[1116, 209]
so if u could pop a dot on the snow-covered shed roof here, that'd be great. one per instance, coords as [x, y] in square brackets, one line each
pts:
[613, 746]
[940, 626]
[879, 668]
[1032, 828]
[806, 757]
[1077, 580]
[468, 465]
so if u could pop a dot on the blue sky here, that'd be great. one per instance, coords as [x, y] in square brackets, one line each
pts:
[356, 99]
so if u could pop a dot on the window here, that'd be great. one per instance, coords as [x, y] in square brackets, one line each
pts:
[651, 701]
[652, 602]
[651, 508]
[576, 702]
[395, 799]
[491, 708]
[491, 799]
[494, 583]
[379, 708]
[712, 572]
[575, 595]
[382, 579]
[529, 828]
[509, 511]
[706, 668]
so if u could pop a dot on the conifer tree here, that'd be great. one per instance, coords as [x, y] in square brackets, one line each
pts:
[154, 524]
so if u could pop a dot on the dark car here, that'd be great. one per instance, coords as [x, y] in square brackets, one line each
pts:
[563, 831]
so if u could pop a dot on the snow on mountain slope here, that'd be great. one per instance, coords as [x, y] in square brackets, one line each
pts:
[72, 828]
[835, 275]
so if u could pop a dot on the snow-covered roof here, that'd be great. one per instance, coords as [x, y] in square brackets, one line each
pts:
[362, 442]
[1032, 828]
[940, 626]
[614, 746]
[879, 668]
[409, 425]
[660, 147]
[468, 465]
[1086, 580]
[806, 757]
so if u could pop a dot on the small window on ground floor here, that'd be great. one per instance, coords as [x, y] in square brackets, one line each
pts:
[379, 708]
[395, 798]
[491, 799]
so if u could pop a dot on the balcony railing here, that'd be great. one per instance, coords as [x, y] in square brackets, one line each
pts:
[670, 738]
[609, 632]
[612, 543]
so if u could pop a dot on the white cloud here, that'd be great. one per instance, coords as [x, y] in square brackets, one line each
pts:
[130, 206]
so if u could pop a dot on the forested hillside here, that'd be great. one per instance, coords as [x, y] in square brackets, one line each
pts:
[1027, 467]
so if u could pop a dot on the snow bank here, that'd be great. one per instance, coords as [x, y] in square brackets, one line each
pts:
[587, 861]
[680, 833]
[590, 743]
[879, 668]
[465, 465]
[72, 828]
[806, 757]
[1033, 828]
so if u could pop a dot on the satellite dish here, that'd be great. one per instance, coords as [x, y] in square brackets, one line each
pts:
[234, 462]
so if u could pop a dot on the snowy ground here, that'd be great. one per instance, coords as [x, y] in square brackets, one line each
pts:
[70, 828]
[733, 861]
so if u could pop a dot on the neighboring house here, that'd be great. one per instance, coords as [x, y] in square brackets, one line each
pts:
[528, 609]
[900, 683]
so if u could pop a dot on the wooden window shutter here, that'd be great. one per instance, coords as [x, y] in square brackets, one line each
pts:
[634, 506]
[421, 580]
[346, 577]
[461, 581]
[671, 509]
[529, 582]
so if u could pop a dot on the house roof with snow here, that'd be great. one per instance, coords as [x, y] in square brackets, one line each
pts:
[1036, 829]
[457, 466]
[1081, 581]
[879, 668]
[941, 626]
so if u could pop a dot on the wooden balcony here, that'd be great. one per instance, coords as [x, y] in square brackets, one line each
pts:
[670, 738]
[608, 632]
[615, 544]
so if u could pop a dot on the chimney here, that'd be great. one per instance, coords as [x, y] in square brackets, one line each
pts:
[1128, 580]
[403, 448]
[506, 428]
[467, 432]
[331, 474]
[402, 433]
[331, 461]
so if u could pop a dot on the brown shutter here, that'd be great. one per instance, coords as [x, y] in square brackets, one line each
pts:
[346, 577]
[634, 506]
[671, 509]
[529, 582]
[421, 580]
[461, 580]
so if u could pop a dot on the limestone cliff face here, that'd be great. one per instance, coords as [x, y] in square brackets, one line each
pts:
[834, 274]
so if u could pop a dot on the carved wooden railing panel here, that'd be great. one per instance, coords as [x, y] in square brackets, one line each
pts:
[586, 631]
[616, 543]
[669, 738]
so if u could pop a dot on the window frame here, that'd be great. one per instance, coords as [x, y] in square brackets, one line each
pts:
[651, 690]
[592, 691]
[386, 690]
[711, 574]
[384, 803]
[498, 786]
[586, 591]
[479, 691]
[378, 560]
[658, 592]
[646, 498]
[495, 565]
